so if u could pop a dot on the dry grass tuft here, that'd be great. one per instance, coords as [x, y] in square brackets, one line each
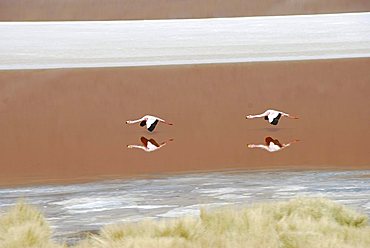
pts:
[24, 226]
[298, 223]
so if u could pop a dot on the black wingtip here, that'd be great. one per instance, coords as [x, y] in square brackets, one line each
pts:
[151, 128]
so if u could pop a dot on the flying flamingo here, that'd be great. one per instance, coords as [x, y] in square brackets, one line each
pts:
[150, 122]
[272, 116]
[149, 145]
[272, 145]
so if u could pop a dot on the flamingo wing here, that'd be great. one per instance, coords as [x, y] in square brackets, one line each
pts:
[275, 120]
[143, 123]
[144, 141]
[268, 140]
[154, 142]
[151, 126]
[276, 142]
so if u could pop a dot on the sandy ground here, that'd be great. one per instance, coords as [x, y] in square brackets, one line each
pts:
[68, 124]
[43, 10]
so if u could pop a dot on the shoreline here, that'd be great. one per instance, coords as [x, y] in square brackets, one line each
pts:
[86, 207]
[101, 178]
[174, 66]
[153, 66]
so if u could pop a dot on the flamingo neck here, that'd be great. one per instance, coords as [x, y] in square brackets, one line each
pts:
[136, 121]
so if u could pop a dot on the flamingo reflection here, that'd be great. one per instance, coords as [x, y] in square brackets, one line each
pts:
[149, 145]
[272, 145]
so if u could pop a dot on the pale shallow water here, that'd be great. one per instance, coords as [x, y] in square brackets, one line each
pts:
[77, 208]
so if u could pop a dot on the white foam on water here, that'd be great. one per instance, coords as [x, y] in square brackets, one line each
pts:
[233, 197]
[149, 206]
[291, 188]
[193, 210]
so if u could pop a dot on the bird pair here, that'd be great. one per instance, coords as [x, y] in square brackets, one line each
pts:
[150, 145]
[272, 116]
